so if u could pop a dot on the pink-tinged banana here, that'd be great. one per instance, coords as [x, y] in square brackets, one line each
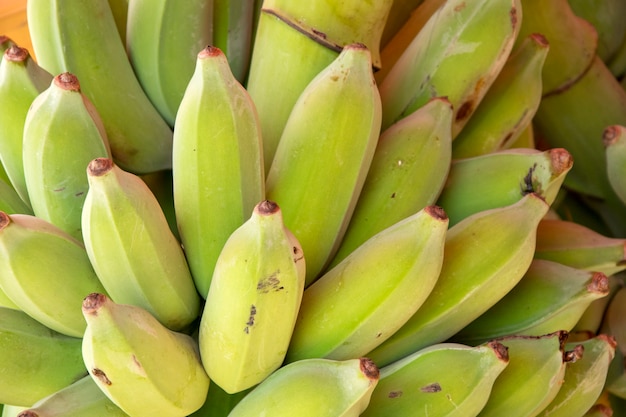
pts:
[549, 297]
[313, 388]
[5, 43]
[600, 410]
[36, 361]
[82, 38]
[163, 38]
[59, 119]
[218, 174]
[233, 27]
[305, 38]
[446, 379]
[407, 173]
[502, 178]
[253, 301]
[339, 320]
[142, 366]
[453, 56]
[325, 153]
[485, 256]
[10, 201]
[21, 81]
[51, 289]
[132, 249]
[593, 317]
[510, 103]
[614, 139]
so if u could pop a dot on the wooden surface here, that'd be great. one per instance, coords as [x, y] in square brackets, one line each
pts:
[13, 22]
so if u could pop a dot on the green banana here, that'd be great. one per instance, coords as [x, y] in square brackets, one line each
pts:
[219, 403]
[324, 154]
[142, 366]
[407, 173]
[36, 361]
[614, 139]
[313, 388]
[82, 38]
[617, 63]
[593, 317]
[119, 8]
[10, 201]
[57, 185]
[258, 280]
[339, 320]
[613, 322]
[5, 43]
[6, 302]
[446, 379]
[51, 289]
[129, 243]
[163, 39]
[218, 174]
[485, 256]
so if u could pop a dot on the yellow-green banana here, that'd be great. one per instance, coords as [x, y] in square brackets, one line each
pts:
[10, 201]
[219, 403]
[233, 27]
[614, 139]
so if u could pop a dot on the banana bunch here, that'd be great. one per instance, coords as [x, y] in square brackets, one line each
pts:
[217, 208]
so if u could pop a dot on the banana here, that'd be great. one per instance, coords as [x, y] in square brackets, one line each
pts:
[11, 410]
[142, 366]
[446, 379]
[10, 201]
[57, 185]
[399, 13]
[51, 289]
[453, 56]
[163, 39]
[5, 43]
[130, 245]
[617, 63]
[485, 256]
[218, 173]
[407, 173]
[219, 403]
[339, 320]
[233, 27]
[313, 388]
[253, 301]
[82, 38]
[599, 410]
[613, 323]
[36, 361]
[509, 104]
[324, 154]
[6, 302]
[119, 8]
[593, 317]
[614, 139]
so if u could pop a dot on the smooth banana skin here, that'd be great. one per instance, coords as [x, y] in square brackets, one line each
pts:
[613, 322]
[218, 173]
[509, 104]
[614, 139]
[338, 320]
[446, 379]
[313, 388]
[219, 403]
[51, 289]
[163, 39]
[21, 81]
[253, 301]
[502, 178]
[10, 201]
[407, 173]
[142, 366]
[484, 258]
[452, 56]
[11, 410]
[617, 63]
[36, 361]
[82, 38]
[132, 249]
[324, 155]
[61, 118]
[119, 8]
[233, 27]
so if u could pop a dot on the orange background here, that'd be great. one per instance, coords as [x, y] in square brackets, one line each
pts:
[13, 22]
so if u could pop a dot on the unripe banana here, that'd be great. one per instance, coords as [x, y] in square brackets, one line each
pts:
[5, 43]
[253, 301]
[130, 245]
[339, 320]
[233, 32]
[324, 154]
[45, 272]
[313, 388]
[614, 139]
[10, 201]
[218, 172]
[142, 366]
[61, 118]
[219, 403]
[446, 379]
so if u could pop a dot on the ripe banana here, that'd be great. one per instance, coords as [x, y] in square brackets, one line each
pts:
[81, 38]
[324, 154]
[218, 174]
[233, 32]
[339, 320]
[253, 301]
[142, 366]
[130, 245]
[313, 388]
[614, 139]
[485, 255]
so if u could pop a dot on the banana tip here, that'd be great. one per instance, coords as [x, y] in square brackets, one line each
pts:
[267, 207]
[611, 134]
[16, 54]
[501, 351]
[5, 220]
[99, 166]
[369, 369]
[93, 302]
[67, 81]
[28, 413]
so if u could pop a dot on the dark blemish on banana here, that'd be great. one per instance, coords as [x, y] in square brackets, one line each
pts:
[434, 387]
[394, 394]
[527, 184]
[99, 373]
[58, 190]
[250, 321]
[297, 254]
[270, 283]
[393, 195]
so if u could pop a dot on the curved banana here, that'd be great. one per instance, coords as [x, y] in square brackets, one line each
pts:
[10, 201]
[614, 139]
[142, 366]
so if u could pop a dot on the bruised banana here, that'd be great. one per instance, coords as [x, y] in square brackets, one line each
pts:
[339, 320]
[614, 139]
[313, 388]
[324, 154]
[132, 249]
[142, 366]
[217, 166]
[258, 280]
